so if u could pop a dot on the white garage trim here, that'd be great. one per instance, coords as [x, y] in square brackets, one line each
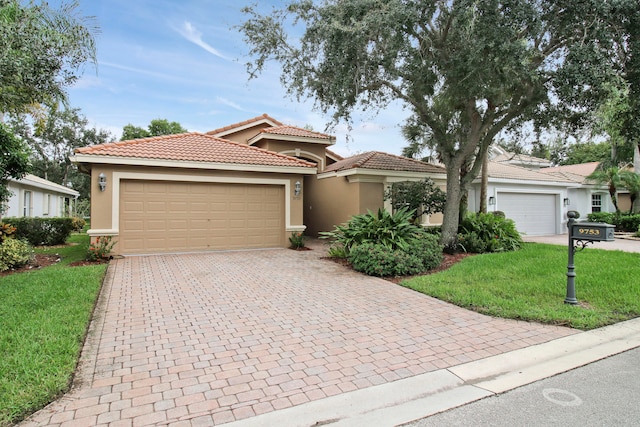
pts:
[118, 176]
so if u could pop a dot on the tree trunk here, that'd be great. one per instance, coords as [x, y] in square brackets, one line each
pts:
[484, 183]
[451, 208]
[635, 206]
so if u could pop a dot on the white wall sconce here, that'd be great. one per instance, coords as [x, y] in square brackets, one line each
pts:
[492, 200]
[102, 181]
[566, 201]
[297, 188]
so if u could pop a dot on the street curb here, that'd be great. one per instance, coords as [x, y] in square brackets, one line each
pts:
[420, 396]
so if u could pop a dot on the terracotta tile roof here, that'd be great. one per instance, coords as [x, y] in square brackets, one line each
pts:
[582, 169]
[244, 123]
[295, 131]
[506, 171]
[520, 159]
[194, 147]
[383, 161]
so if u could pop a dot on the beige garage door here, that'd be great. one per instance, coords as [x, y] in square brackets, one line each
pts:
[161, 216]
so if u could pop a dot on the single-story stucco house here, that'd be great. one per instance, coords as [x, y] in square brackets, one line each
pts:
[33, 196]
[254, 183]
[247, 185]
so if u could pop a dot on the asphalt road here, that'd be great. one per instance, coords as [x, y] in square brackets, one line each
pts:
[604, 393]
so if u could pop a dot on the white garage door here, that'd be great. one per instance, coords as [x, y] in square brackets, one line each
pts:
[161, 216]
[534, 214]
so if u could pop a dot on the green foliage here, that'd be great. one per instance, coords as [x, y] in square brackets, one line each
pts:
[631, 181]
[480, 233]
[609, 177]
[53, 139]
[43, 231]
[14, 253]
[157, 127]
[338, 251]
[587, 152]
[6, 231]
[14, 161]
[100, 249]
[393, 231]
[296, 240]
[465, 70]
[420, 255]
[422, 197]
[42, 52]
[622, 221]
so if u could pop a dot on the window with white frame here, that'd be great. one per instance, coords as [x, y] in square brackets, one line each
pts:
[46, 205]
[596, 203]
[26, 204]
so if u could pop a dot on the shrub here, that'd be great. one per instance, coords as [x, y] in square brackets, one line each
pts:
[622, 221]
[101, 249]
[608, 217]
[375, 259]
[296, 240]
[482, 233]
[337, 251]
[629, 223]
[394, 231]
[14, 253]
[43, 231]
[78, 224]
[6, 231]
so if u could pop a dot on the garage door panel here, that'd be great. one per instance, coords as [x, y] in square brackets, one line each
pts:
[533, 213]
[182, 216]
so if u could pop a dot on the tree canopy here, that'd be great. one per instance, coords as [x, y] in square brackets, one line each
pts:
[157, 127]
[14, 162]
[464, 69]
[42, 52]
[52, 141]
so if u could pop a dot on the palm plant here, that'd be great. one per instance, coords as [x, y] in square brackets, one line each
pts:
[631, 181]
[611, 178]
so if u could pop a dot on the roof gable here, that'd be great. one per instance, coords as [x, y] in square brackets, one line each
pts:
[581, 169]
[192, 147]
[499, 170]
[264, 119]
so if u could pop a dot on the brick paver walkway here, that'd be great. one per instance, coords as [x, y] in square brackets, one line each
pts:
[205, 339]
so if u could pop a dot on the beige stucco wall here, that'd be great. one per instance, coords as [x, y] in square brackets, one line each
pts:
[102, 202]
[624, 202]
[333, 201]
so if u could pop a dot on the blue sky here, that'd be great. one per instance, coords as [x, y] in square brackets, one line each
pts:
[181, 60]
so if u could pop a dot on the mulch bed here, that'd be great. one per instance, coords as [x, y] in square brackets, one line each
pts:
[447, 261]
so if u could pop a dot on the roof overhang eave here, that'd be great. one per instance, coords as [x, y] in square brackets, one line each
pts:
[83, 160]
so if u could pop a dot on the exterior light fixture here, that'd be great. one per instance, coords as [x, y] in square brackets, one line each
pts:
[297, 189]
[566, 201]
[492, 200]
[102, 181]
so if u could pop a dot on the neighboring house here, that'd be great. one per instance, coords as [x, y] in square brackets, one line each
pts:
[537, 202]
[247, 185]
[36, 197]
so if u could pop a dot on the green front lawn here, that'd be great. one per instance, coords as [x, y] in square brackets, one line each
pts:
[530, 284]
[44, 316]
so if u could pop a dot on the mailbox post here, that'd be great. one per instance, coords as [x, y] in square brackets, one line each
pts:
[583, 233]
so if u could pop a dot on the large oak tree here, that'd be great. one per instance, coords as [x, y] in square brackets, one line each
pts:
[465, 69]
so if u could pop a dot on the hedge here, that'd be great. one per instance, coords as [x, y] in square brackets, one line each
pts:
[42, 231]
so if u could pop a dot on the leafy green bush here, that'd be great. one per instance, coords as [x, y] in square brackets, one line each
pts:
[43, 231]
[14, 253]
[622, 221]
[480, 233]
[100, 249]
[394, 231]
[6, 231]
[296, 240]
[375, 259]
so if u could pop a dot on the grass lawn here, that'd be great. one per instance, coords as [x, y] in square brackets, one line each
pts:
[530, 284]
[44, 315]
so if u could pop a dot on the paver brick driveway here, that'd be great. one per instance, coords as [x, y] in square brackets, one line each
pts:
[205, 339]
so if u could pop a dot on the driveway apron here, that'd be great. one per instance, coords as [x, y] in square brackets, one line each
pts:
[211, 338]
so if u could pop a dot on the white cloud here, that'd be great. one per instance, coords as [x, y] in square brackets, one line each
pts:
[229, 103]
[191, 33]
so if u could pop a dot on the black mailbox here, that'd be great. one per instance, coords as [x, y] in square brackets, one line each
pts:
[593, 231]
